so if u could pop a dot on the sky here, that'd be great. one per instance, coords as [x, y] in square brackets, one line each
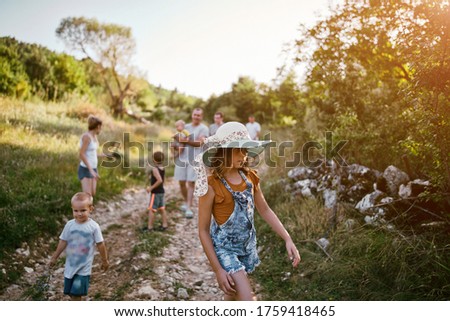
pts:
[199, 47]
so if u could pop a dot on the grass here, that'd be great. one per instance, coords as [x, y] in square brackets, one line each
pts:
[152, 243]
[39, 158]
[365, 263]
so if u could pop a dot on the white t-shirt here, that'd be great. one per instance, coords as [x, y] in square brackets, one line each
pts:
[189, 152]
[253, 129]
[81, 241]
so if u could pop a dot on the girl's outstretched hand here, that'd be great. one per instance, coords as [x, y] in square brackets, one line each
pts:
[294, 256]
[226, 282]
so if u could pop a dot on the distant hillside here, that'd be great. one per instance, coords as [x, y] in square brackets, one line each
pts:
[30, 70]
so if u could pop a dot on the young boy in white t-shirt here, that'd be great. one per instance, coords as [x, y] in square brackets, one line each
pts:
[78, 239]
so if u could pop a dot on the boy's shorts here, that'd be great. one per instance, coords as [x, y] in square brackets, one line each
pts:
[77, 286]
[156, 202]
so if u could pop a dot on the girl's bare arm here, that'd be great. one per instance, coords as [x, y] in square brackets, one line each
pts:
[272, 219]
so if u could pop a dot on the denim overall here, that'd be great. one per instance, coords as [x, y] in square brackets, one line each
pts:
[235, 240]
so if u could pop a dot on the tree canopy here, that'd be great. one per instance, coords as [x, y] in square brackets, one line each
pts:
[111, 46]
[380, 76]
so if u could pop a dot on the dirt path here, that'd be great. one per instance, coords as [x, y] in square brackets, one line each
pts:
[168, 265]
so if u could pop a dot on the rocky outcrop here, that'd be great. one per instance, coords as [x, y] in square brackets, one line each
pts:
[376, 195]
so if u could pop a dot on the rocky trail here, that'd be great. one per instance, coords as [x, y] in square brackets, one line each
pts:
[169, 265]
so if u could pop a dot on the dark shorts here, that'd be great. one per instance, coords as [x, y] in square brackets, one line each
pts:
[156, 202]
[77, 286]
[84, 172]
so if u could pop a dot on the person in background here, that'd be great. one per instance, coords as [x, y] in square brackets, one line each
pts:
[253, 127]
[218, 121]
[184, 171]
[156, 191]
[177, 147]
[87, 169]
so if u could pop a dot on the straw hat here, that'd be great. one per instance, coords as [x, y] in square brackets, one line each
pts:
[229, 135]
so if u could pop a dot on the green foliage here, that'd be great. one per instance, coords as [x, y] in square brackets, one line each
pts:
[277, 106]
[366, 263]
[32, 69]
[13, 78]
[379, 77]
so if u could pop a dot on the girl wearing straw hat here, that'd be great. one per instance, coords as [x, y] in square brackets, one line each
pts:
[226, 207]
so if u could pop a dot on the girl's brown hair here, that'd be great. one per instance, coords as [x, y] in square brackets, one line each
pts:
[222, 160]
[93, 122]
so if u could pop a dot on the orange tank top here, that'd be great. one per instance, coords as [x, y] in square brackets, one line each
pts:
[223, 205]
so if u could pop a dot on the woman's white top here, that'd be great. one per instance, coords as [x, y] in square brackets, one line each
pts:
[91, 152]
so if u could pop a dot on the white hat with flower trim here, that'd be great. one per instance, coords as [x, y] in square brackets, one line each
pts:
[229, 135]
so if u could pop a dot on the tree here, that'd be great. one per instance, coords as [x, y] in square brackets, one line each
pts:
[110, 46]
[246, 98]
[13, 78]
[379, 75]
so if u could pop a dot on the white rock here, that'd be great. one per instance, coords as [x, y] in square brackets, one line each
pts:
[148, 291]
[182, 294]
[413, 188]
[300, 173]
[404, 191]
[386, 200]
[323, 243]
[330, 198]
[394, 178]
[304, 187]
[302, 183]
[144, 256]
[368, 201]
[28, 269]
[23, 252]
[306, 192]
[370, 220]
